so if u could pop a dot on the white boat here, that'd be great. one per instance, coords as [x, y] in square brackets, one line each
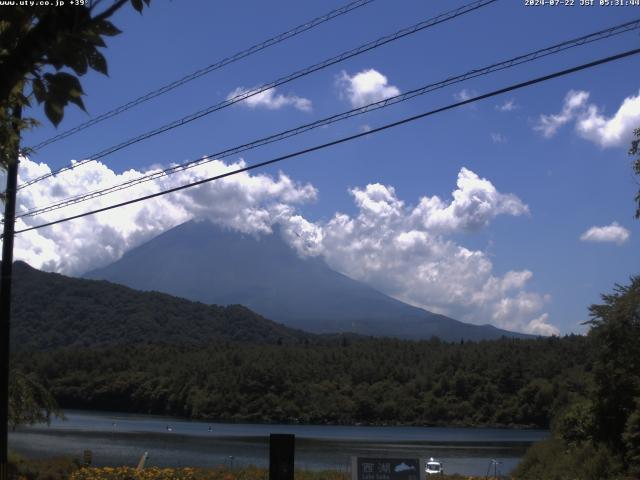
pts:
[434, 467]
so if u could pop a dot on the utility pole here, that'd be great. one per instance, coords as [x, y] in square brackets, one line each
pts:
[5, 293]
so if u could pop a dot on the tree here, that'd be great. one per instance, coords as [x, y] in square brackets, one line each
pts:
[616, 332]
[635, 150]
[30, 402]
[631, 438]
[37, 45]
[43, 51]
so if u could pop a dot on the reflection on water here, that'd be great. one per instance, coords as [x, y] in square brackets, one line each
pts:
[122, 439]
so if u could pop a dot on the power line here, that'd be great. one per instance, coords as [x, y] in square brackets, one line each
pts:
[450, 15]
[494, 93]
[583, 40]
[208, 69]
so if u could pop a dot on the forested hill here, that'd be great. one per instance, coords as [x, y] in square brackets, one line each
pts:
[51, 310]
[377, 381]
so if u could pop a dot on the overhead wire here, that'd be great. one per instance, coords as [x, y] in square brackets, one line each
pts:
[443, 17]
[373, 131]
[512, 62]
[206, 70]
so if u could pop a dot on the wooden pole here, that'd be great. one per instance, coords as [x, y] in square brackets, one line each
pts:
[5, 297]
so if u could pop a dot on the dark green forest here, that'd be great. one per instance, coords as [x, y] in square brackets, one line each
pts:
[95, 345]
[597, 436]
[376, 381]
[51, 311]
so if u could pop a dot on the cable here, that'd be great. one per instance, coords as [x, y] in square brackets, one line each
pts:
[345, 139]
[250, 93]
[583, 40]
[203, 71]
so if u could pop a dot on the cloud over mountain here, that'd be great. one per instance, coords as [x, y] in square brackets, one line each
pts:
[248, 203]
[402, 250]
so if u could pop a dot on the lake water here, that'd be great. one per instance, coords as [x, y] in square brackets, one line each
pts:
[121, 439]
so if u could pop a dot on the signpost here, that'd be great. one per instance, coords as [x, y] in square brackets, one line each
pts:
[368, 468]
[87, 458]
[281, 456]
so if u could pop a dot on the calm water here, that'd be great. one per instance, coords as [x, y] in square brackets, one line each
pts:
[121, 439]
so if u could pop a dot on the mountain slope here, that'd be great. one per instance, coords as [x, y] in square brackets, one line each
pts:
[203, 262]
[51, 310]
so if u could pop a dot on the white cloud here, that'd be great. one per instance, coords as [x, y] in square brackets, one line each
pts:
[249, 203]
[403, 250]
[269, 100]
[574, 102]
[613, 131]
[613, 233]
[365, 87]
[475, 203]
[507, 106]
[497, 137]
[400, 249]
[590, 121]
[540, 326]
[464, 95]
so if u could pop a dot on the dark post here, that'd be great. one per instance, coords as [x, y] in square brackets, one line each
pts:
[281, 456]
[5, 299]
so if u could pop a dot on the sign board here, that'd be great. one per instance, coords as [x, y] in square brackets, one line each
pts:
[87, 457]
[369, 468]
[282, 447]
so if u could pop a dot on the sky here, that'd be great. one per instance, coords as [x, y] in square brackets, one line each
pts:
[515, 211]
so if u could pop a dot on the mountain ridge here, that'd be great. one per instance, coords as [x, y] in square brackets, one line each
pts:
[204, 262]
[50, 310]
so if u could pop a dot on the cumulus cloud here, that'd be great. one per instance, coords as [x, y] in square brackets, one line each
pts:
[365, 87]
[475, 203]
[248, 203]
[613, 233]
[590, 121]
[403, 250]
[540, 326]
[574, 102]
[613, 131]
[271, 101]
[507, 106]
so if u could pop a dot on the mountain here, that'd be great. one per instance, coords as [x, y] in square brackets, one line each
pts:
[51, 310]
[203, 262]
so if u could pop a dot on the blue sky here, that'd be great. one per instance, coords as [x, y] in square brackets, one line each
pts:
[548, 190]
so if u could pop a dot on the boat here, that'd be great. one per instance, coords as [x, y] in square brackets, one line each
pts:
[434, 467]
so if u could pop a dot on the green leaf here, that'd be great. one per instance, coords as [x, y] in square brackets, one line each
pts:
[64, 81]
[39, 90]
[94, 38]
[78, 62]
[78, 101]
[138, 5]
[105, 27]
[54, 112]
[98, 62]
[62, 89]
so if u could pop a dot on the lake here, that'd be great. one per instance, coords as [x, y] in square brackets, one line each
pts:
[121, 439]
